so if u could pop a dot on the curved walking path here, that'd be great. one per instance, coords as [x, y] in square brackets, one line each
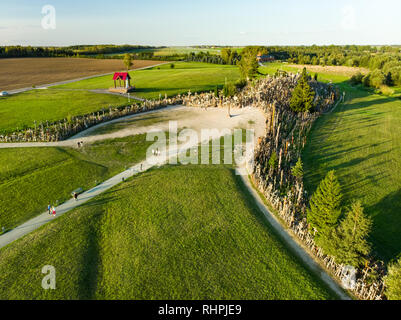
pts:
[215, 118]
[200, 119]
[188, 117]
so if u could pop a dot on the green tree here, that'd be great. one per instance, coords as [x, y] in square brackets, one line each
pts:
[325, 208]
[248, 64]
[377, 78]
[303, 95]
[128, 61]
[297, 170]
[349, 242]
[273, 161]
[216, 91]
[229, 89]
[226, 55]
[356, 79]
[393, 281]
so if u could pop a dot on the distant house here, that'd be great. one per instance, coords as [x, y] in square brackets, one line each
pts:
[122, 83]
[264, 58]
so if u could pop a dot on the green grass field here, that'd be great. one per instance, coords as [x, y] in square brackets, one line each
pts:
[150, 83]
[172, 51]
[21, 110]
[172, 233]
[31, 178]
[361, 140]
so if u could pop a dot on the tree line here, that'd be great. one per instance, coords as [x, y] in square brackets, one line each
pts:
[71, 51]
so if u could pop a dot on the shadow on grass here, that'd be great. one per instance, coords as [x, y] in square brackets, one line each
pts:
[88, 277]
[386, 231]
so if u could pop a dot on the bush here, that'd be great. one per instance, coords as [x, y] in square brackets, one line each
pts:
[240, 84]
[273, 161]
[229, 90]
[386, 90]
[356, 79]
[377, 78]
[366, 80]
[393, 281]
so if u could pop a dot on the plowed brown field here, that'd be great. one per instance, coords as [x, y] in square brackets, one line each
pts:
[26, 72]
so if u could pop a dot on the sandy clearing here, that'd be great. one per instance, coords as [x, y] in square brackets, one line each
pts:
[186, 117]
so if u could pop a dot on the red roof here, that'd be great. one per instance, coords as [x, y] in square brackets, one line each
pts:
[121, 76]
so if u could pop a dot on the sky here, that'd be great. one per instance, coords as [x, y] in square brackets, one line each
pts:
[207, 22]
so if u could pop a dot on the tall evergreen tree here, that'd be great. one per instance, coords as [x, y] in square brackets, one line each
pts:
[325, 208]
[393, 281]
[303, 95]
[248, 64]
[349, 242]
[297, 170]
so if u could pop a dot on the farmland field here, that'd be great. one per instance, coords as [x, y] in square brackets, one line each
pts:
[26, 72]
[171, 51]
[336, 74]
[162, 80]
[159, 237]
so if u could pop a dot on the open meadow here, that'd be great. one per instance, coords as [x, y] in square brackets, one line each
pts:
[171, 51]
[21, 110]
[185, 76]
[187, 232]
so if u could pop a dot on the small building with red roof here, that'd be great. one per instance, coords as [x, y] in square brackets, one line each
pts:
[122, 83]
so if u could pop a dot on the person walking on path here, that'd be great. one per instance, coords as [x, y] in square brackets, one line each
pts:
[54, 211]
[49, 207]
[76, 196]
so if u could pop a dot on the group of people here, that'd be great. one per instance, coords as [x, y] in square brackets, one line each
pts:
[52, 210]
[156, 152]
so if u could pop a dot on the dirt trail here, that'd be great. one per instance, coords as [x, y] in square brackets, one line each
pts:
[187, 117]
